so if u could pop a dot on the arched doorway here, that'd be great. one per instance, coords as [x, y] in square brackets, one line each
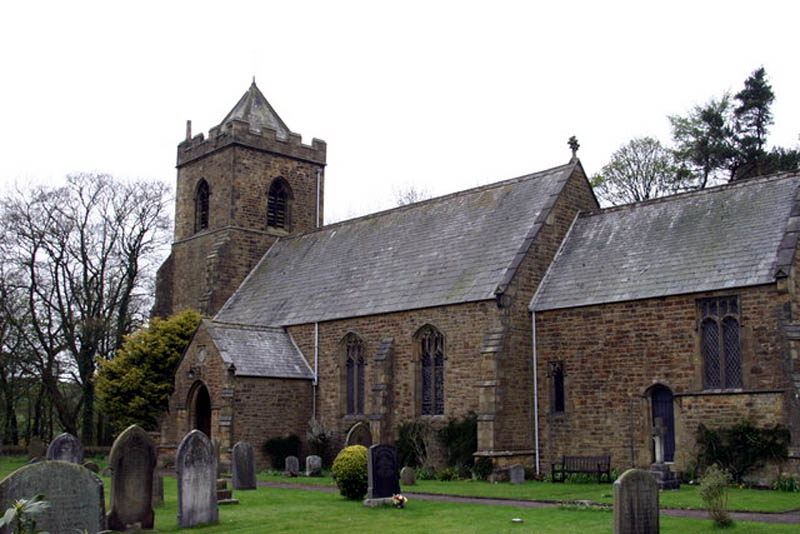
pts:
[661, 400]
[200, 409]
[359, 434]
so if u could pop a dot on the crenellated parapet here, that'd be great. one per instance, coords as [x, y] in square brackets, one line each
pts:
[239, 132]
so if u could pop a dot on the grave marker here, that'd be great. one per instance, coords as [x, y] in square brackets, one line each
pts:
[516, 474]
[36, 448]
[244, 467]
[132, 460]
[382, 472]
[313, 466]
[67, 448]
[196, 466]
[292, 466]
[636, 503]
[408, 476]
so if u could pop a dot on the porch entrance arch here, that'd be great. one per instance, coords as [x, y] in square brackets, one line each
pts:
[200, 409]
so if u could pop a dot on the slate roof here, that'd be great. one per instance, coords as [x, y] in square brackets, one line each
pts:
[458, 248]
[262, 352]
[254, 108]
[737, 235]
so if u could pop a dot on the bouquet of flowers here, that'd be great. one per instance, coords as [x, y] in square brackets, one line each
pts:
[399, 501]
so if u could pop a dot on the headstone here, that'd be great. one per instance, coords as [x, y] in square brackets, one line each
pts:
[36, 448]
[67, 448]
[516, 474]
[91, 466]
[408, 476]
[664, 476]
[132, 460]
[74, 493]
[659, 433]
[636, 503]
[382, 473]
[313, 466]
[196, 467]
[158, 489]
[244, 467]
[292, 466]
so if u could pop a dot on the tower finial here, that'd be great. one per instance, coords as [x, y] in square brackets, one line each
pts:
[254, 79]
[574, 145]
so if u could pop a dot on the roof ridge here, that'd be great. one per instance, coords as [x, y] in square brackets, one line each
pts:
[697, 192]
[441, 198]
[242, 326]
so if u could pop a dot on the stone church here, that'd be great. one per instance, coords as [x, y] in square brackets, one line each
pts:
[565, 327]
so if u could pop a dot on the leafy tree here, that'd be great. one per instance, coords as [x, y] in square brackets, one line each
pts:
[134, 387]
[640, 170]
[753, 118]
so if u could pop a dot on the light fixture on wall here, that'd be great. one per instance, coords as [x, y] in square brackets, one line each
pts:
[190, 373]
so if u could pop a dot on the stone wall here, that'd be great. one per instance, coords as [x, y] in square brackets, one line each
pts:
[615, 353]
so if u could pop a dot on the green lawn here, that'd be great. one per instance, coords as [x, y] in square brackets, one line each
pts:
[686, 497]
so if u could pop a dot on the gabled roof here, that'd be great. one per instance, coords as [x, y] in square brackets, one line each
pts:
[737, 235]
[262, 352]
[254, 108]
[458, 248]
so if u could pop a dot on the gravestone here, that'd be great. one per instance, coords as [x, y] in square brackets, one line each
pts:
[75, 495]
[516, 474]
[158, 489]
[664, 476]
[382, 472]
[36, 448]
[292, 466]
[244, 467]
[313, 466]
[67, 448]
[636, 503]
[408, 476]
[132, 460]
[196, 467]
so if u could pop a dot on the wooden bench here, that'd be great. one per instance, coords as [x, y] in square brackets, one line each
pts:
[582, 464]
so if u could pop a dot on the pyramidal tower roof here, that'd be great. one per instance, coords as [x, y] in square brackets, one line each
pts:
[254, 108]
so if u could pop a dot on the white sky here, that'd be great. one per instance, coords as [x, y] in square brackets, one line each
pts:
[438, 95]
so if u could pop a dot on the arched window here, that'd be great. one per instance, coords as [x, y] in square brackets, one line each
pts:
[354, 374]
[278, 205]
[722, 352]
[559, 398]
[201, 206]
[432, 367]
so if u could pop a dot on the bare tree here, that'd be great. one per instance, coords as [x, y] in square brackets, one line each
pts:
[84, 253]
[409, 194]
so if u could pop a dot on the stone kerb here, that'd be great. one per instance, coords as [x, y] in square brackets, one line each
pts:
[74, 493]
[67, 448]
[243, 473]
[196, 467]
[132, 460]
[636, 503]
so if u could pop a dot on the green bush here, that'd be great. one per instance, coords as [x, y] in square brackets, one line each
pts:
[714, 492]
[786, 482]
[350, 471]
[460, 440]
[741, 448]
[447, 474]
[482, 468]
[279, 448]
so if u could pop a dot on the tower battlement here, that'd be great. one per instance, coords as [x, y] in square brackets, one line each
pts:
[238, 131]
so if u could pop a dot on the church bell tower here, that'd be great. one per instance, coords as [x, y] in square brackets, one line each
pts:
[249, 183]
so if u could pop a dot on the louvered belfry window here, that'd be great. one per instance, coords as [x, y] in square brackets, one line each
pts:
[278, 205]
[355, 374]
[201, 206]
[432, 356]
[722, 350]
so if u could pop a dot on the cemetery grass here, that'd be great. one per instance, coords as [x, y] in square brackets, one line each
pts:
[751, 500]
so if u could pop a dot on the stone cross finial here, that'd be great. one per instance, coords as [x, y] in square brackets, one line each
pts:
[659, 433]
[574, 146]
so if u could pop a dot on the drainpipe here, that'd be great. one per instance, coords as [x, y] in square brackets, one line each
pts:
[319, 179]
[316, 371]
[535, 394]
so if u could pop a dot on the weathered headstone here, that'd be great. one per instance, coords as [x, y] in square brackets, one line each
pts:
[292, 466]
[244, 467]
[516, 474]
[67, 448]
[636, 503]
[158, 489]
[659, 434]
[408, 476]
[132, 460]
[196, 466]
[36, 448]
[313, 466]
[91, 466]
[664, 476]
[383, 480]
[75, 495]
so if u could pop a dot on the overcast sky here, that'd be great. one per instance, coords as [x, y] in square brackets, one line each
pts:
[437, 95]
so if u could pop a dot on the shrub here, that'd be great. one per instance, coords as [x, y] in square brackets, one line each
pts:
[413, 443]
[279, 448]
[447, 474]
[714, 491]
[319, 438]
[460, 440]
[786, 482]
[741, 448]
[350, 471]
[482, 468]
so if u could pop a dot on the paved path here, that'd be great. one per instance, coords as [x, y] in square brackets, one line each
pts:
[791, 517]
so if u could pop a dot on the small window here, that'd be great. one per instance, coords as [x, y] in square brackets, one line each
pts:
[721, 345]
[278, 205]
[432, 366]
[558, 393]
[201, 206]
[355, 375]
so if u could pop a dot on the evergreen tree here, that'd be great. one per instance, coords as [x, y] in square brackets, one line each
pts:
[753, 118]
